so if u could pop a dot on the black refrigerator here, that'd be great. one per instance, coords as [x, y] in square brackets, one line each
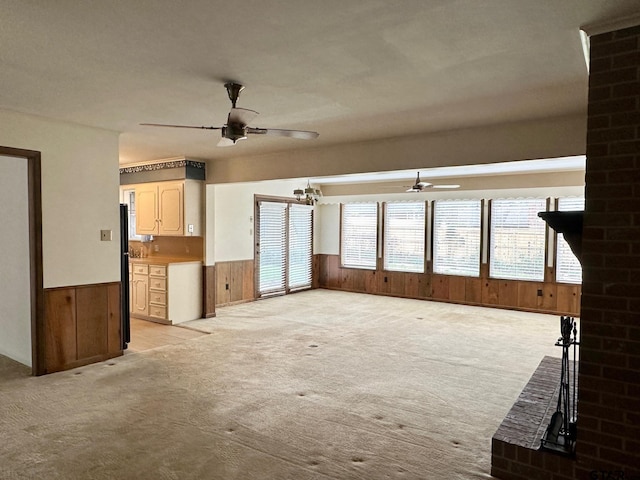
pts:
[124, 275]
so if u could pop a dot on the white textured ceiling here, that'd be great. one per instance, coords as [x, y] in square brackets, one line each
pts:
[351, 70]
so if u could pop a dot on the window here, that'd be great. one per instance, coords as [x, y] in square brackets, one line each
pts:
[517, 239]
[456, 237]
[404, 234]
[568, 268]
[359, 243]
[129, 198]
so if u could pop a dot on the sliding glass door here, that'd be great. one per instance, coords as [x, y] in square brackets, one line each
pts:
[284, 253]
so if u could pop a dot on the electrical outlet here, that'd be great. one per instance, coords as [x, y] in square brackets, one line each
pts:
[156, 248]
[226, 286]
[106, 235]
[190, 228]
[539, 292]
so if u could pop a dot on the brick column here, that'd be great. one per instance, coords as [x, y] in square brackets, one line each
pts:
[609, 380]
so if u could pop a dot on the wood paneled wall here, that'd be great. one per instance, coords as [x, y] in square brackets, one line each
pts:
[82, 325]
[546, 297]
[234, 282]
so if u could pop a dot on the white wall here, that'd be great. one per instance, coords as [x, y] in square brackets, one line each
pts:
[80, 188]
[233, 237]
[15, 298]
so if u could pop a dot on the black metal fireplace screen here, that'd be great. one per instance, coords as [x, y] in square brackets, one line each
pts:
[561, 433]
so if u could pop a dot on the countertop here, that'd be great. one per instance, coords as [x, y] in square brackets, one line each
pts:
[163, 260]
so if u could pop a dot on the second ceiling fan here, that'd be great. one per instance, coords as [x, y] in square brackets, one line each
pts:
[420, 186]
[237, 126]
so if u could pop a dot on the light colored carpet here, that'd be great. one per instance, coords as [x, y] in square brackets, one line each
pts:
[316, 385]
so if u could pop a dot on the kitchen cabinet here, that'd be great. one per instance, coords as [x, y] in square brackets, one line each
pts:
[158, 291]
[169, 208]
[139, 290]
[167, 292]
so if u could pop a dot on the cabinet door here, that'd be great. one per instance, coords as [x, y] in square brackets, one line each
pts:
[147, 209]
[171, 209]
[140, 300]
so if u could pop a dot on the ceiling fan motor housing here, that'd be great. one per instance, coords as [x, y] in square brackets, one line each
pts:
[234, 131]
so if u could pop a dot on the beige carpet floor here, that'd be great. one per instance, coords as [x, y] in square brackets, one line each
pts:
[315, 385]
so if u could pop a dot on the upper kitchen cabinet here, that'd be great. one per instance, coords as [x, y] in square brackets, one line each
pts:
[169, 208]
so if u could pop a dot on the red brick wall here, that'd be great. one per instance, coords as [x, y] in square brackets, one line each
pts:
[609, 380]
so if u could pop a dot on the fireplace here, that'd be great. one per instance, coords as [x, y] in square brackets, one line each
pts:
[540, 429]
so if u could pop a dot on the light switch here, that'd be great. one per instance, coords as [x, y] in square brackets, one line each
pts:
[105, 235]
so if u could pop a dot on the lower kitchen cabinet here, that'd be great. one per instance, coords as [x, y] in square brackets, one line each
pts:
[167, 293]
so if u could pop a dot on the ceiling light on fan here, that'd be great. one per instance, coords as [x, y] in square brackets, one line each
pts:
[238, 120]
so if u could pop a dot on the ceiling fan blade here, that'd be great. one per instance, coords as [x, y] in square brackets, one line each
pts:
[445, 186]
[241, 116]
[178, 126]
[277, 132]
[424, 184]
[226, 142]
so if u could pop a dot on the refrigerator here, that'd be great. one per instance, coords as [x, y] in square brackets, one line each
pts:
[124, 276]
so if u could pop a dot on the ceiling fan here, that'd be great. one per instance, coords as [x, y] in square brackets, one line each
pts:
[421, 186]
[237, 127]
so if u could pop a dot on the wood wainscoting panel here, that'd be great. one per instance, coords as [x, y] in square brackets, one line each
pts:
[490, 292]
[223, 276]
[440, 287]
[235, 282]
[92, 317]
[60, 328]
[209, 291]
[114, 320]
[508, 293]
[550, 297]
[82, 325]
[457, 289]
[333, 271]
[528, 297]
[248, 280]
[416, 285]
[568, 299]
[346, 279]
[482, 291]
[473, 290]
[236, 286]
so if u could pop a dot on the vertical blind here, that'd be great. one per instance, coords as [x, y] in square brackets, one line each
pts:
[404, 237]
[300, 246]
[517, 239]
[272, 247]
[456, 237]
[359, 235]
[568, 268]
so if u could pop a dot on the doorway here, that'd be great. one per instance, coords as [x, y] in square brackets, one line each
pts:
[23, 294]
[284, 246]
